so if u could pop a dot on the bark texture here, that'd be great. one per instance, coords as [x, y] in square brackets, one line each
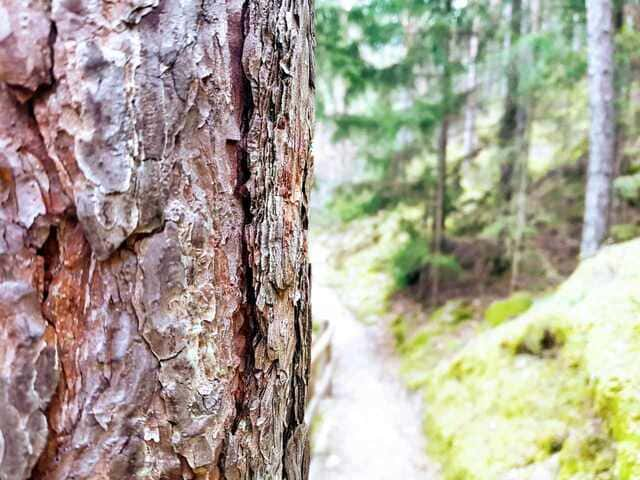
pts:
[154, 285]
[602, 138]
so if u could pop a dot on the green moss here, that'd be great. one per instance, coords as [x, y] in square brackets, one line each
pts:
[588, 453]
[500, 410]
[623, 232]
[444, 332]
[555, 388]
[453, 312]
[502, 310]
[543, 337]
[399, 330]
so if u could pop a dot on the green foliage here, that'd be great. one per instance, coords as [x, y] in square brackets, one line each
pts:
[627, 56]
[352, 203]
[623, 232]
[628, 187]
[399, 330]
[411, 255]
[439, 337]
[532, 387]
[502, 310]
[363, 256]
[383, 53]
[554, 63]
[409, 258]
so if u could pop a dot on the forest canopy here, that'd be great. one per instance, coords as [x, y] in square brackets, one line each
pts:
[476, 113]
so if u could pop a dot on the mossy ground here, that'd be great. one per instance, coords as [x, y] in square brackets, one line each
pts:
[557, 387]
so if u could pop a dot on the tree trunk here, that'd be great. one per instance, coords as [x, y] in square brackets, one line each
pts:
[469, 137]
[439, 209]
[154, 284]
[513, 109]
[524, 124]
[519, 207]
[602, 137]
[439, 213]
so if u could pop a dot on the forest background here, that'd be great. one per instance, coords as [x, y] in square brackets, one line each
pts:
[453, 163]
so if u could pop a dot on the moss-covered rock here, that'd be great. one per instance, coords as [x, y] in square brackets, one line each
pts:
[502, 310]
[558, 386]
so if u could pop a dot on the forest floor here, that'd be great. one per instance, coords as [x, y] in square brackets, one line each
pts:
[369, 428]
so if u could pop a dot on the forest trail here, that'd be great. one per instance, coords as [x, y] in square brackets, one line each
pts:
[370, 426]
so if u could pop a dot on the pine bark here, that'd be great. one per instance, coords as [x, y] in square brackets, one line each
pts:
[602, 138]
[154, 284]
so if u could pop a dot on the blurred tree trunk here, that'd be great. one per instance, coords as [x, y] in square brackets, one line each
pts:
[623, 80]
[519, 207]
[470, 113]
[524, 126]
[154, 165]
[441, 168]
[602, 139]
[439, 206]
[514, 108]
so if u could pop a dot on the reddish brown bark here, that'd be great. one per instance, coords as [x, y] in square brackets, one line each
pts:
[155, 164]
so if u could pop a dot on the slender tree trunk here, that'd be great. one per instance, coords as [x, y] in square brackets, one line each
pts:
[524, 124]
[469, 137]
[622, 82]
[154, 284]
[513, 109]
[439, 209]
[602, 137]
[438, 216]
[520, 200]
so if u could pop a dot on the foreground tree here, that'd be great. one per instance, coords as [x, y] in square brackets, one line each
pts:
[155, 166]
[602, 139]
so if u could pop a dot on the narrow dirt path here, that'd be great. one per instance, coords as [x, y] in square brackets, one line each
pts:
[370, 426]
